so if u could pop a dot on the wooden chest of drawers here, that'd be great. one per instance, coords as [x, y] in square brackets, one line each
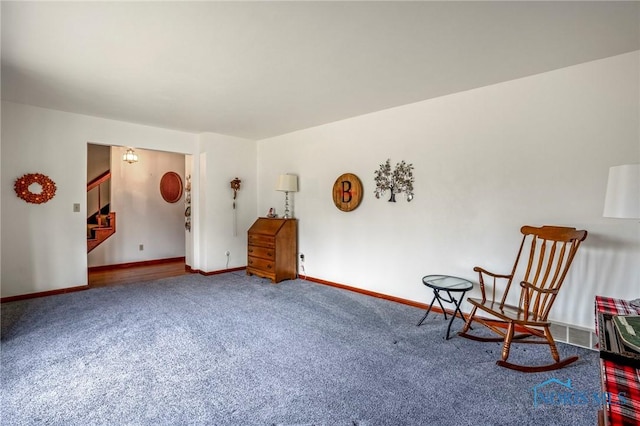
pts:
[272, 249]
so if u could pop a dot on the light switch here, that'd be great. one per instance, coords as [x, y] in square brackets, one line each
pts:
[76, 207]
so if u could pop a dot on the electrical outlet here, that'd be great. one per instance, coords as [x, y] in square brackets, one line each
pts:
[141, 247]
[227, 253]
[301, 257]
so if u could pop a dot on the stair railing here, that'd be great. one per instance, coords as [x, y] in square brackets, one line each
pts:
[96, 183]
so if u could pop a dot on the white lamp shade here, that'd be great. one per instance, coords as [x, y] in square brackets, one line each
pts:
[287, 183]
[623, 192]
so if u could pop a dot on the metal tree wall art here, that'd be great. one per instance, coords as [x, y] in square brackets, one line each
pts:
[398, 181]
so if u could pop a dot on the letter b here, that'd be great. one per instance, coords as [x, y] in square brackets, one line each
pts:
[346, 191]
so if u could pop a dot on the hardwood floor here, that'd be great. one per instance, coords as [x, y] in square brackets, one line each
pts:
[136, 274]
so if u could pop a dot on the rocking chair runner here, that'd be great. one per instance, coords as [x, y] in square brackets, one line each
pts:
[551, 250]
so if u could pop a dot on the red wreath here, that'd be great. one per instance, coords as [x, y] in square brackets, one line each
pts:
[23, 183]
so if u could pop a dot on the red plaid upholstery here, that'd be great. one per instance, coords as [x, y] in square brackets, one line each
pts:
[619, 379]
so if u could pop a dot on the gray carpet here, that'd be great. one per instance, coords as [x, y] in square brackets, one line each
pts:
[234, 350]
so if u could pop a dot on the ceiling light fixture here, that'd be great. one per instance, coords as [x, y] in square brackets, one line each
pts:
[130, 156]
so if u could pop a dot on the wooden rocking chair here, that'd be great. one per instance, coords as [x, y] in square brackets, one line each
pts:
[551, 250]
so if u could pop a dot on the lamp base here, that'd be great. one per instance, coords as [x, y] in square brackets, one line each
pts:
[287, 214]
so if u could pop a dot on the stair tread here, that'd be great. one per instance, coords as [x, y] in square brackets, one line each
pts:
[99, 233]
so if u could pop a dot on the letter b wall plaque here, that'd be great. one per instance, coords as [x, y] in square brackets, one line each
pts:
[347, 192]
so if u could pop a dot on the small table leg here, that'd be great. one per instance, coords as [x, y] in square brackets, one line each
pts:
[455, 311]
[440, 299]
[428, 310]
[436, 296]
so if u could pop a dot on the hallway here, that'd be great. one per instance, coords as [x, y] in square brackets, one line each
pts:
[135, 274]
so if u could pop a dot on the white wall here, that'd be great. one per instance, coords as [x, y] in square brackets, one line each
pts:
[530, 151]
[142, 215]
[223, 158]
[44, 246]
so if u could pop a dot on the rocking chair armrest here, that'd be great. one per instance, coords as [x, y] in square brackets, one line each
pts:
[481, 272]
[526, 295]
[491, 274]
[526, 285]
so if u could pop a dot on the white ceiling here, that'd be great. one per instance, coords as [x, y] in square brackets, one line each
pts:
[260, 69]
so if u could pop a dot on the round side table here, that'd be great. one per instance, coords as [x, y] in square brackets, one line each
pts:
[446, 284]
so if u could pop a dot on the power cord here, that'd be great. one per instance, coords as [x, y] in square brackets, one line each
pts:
[304, 273]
